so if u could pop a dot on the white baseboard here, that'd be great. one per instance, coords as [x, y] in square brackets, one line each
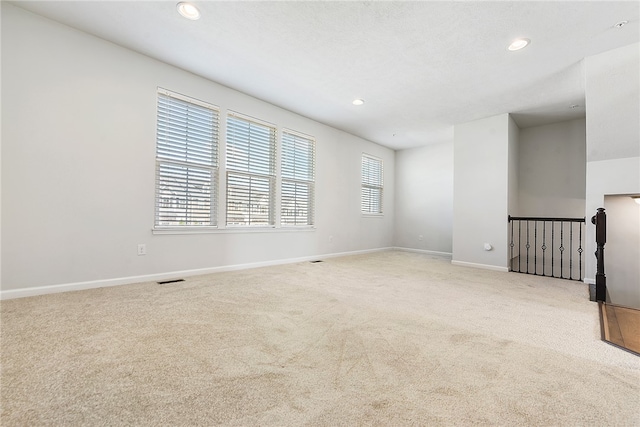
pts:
[79, 286]
[423, 251]
[589, 281]
[482, 266]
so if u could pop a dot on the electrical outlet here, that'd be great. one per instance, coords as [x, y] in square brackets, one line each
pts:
[420, 237]
[142, 249]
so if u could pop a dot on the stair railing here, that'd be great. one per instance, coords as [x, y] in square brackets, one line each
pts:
[547, 246]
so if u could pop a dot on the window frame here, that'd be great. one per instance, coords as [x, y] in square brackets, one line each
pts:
[367, 184]
[300, 177]
[176, 211]
[257, 161]
[197, 149]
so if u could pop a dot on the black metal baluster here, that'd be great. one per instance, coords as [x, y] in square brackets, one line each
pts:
[552, 246]
[519, 244]
[561, 249]
[511, 246]
[571, 250]
[580, 252]
[535, 247]
[528, 246]
[544, 245]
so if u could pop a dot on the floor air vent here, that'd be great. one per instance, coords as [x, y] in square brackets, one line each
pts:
[170, 281]
[318, 260]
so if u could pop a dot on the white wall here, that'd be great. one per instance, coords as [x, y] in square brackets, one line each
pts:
[613, 104]
[513, 183]
[424, 198]
[78, 149]
[622, 250]
[613, 135]
[481, 192]
[0, 156]
[552, 170]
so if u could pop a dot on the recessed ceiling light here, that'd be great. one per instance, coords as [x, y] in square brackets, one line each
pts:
[621, 24]
[518, 44]
[358, 101]
[188, 10]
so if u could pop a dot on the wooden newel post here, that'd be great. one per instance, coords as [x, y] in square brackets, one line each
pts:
[600, 221]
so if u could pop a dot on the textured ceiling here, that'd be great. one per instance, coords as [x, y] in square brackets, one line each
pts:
[421, 67]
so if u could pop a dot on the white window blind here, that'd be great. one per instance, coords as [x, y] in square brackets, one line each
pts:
[298, 175]
[186, 161]
[251, 150]
[372, 185]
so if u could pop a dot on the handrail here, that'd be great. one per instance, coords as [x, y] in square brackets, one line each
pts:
[539, 218]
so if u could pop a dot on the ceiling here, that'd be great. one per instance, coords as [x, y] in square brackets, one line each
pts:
[421, 67]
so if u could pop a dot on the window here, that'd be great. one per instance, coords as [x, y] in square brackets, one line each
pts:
[186, 162]
[188, 174]
[251, 149]
[372, 185]
[297, 188]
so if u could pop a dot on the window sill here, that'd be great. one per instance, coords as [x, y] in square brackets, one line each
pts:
[231, 230]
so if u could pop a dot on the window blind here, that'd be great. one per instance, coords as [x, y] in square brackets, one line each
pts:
[372, 185]
[298, 175]
[250, 172]
[186, 161]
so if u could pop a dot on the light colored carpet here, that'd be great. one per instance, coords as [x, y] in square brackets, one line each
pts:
[391, 338]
